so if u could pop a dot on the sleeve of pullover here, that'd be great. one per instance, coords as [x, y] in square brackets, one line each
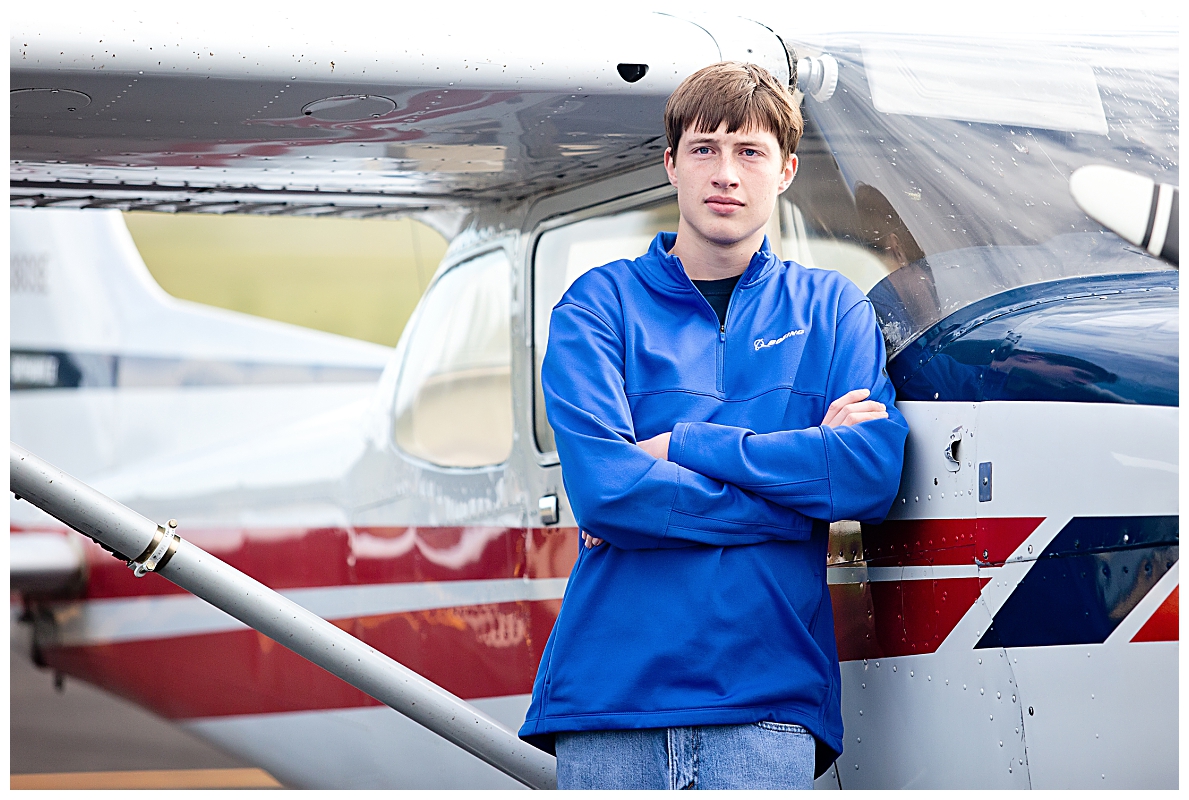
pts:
[825, 473]
[617, 491]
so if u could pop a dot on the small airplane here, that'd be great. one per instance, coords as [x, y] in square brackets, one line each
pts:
[1000, 630]
[106, 369]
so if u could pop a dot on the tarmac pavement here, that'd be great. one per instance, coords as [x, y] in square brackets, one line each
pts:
[80, 729]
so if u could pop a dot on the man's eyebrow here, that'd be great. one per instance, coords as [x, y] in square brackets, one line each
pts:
[711, 139]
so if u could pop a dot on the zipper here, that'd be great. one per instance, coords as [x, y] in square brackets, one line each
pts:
[720, 366]
[722, 332]
[722, 346]
[722, 337]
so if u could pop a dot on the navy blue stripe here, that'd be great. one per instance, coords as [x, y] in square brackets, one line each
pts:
[57, 369]
[1087, 580]
[1096, 339]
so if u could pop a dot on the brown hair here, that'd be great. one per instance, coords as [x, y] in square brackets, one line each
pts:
[745, 96]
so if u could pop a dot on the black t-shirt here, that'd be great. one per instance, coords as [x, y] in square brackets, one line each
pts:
[719, 295]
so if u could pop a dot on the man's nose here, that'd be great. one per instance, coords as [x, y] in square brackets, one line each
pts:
[726, 176]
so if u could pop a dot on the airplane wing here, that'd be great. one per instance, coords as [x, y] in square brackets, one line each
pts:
[355, 113]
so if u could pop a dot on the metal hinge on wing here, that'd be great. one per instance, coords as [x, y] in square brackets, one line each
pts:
[159, 551]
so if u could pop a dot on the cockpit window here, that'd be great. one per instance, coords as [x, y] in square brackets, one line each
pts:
[454, 396]
[937, 173]
[564, 254]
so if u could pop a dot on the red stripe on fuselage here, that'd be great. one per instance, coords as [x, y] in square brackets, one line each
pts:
[292, 558]
[939, 542]
[899, 618]
[1164, 625]
[472, 651]
[913, 617]
[295, 558]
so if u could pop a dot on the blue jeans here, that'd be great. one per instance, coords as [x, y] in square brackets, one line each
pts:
[761, 755]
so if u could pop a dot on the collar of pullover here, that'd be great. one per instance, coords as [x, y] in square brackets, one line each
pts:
[671, 272]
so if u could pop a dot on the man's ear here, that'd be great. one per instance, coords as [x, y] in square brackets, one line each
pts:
[790, 171]
[671, 165]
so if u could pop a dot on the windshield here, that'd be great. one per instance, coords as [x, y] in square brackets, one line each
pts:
[938, 171]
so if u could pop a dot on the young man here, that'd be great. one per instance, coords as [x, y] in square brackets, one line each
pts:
[714, 409]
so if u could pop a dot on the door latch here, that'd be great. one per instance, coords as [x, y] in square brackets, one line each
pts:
[547, 509]
[953, 453]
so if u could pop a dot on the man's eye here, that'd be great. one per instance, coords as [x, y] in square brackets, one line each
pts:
[750, 152]
[702, 151]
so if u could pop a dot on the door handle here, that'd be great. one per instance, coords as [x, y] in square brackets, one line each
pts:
[547, 509]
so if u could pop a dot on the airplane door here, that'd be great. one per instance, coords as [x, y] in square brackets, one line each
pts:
[565, 249]
[559, 252]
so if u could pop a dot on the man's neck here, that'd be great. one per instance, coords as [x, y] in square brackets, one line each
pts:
[705, 260]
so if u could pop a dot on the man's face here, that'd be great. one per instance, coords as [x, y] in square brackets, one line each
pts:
[727, 183]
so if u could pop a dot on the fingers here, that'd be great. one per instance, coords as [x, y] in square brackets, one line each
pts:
[835, 409]
[590, 541]
[864, 407]
[657, 446]
[858, 412]
[861, 416]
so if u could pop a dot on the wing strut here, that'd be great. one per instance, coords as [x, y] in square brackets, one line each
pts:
[153, 548]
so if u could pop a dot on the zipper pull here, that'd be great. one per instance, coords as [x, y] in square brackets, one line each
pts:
[722, 333]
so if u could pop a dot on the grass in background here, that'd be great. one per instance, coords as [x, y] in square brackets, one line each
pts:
[357, 278]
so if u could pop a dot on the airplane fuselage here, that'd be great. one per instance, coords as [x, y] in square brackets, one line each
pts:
[1002, 627]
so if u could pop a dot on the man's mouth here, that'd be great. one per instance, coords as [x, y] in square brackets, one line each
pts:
[722, 205]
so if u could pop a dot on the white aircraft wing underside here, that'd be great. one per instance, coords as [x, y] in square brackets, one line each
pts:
[358, 114]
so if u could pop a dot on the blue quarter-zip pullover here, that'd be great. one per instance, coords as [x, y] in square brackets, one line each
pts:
[708, 603]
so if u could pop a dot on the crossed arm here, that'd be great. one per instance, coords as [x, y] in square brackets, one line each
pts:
[850, 409]
[712, 484]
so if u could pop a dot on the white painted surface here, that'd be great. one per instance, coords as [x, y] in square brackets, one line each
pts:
[480, 51]
[94, 430]
[1106, 715]
[108, 621]
[944, 721]
[360, 748]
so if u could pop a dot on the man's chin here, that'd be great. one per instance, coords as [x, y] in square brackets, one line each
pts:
[724, 232]
[727, 239]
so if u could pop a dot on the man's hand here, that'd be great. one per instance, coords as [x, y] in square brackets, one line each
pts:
[853, 408]
[850, 409]
[657, 446]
